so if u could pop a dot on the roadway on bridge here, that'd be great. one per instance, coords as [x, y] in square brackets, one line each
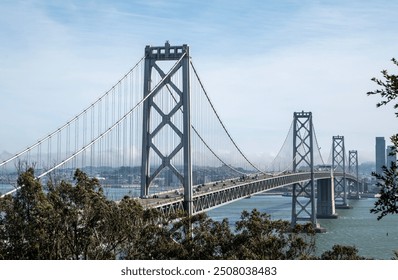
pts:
[237, 188]
[175, 195]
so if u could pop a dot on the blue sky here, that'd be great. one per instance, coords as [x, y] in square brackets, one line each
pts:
[260, 61]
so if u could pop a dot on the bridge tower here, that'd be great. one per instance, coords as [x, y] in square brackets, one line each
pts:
[338, 165]
[353, 169]
[177, 89]
[303, 159]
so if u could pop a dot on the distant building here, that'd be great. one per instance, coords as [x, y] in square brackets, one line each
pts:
[380, 154]
[391, 155]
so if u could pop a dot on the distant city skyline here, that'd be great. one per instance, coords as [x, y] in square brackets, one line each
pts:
[260, 62]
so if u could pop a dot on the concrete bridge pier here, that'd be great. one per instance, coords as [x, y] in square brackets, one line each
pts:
[325, 199]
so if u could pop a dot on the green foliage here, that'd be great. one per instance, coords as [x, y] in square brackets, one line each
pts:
[259, 237]
[340, 252]
[77, 221]
[256, 237]
[389, 87]
[387, 202]
[199, 237]
[395, 255]
[24, 220]
[387, 181]
[70, 222]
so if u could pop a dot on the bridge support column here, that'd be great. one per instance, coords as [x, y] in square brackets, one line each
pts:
[325, 199]
[303, 158]
[353, 169]
[338, 165]
[167, 118]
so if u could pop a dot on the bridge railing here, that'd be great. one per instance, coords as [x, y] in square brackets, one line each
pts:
[212, 196]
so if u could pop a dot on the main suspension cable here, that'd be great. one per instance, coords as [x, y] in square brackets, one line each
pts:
[72, 120]
[116, 123]
[222, 124]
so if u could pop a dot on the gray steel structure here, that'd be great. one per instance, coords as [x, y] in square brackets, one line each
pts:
[353, 169]
[338, 165]
[180, 54]
[303, 160]
[221, 194]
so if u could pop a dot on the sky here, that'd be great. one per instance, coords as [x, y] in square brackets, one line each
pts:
[260, 62]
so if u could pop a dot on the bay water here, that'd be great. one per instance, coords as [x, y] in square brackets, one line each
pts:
[353, 227]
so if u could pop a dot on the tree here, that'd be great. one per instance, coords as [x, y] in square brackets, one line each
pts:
[340, 252]
[387, 203]
[23, 221]
[71, 221]
[201, 238]
[259, 237]
[387, 181]
[256, 237]
[77, 221]
[145, 233]
[82, 218]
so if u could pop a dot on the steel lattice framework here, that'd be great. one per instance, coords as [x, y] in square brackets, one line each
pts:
[180, 92]
[303, 160]
[218, 196]
[338, 165]
[353, 168]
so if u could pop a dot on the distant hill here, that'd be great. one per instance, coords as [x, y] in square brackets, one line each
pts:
[366, 168]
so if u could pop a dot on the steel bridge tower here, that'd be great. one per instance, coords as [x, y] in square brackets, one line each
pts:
[338, 165]
[179, 91]
[353, 169]
[303, 160]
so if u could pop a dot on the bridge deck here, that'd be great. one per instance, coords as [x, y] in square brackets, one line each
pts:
[213, 195]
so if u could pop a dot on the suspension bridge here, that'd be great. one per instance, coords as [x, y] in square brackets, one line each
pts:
[156, 131]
